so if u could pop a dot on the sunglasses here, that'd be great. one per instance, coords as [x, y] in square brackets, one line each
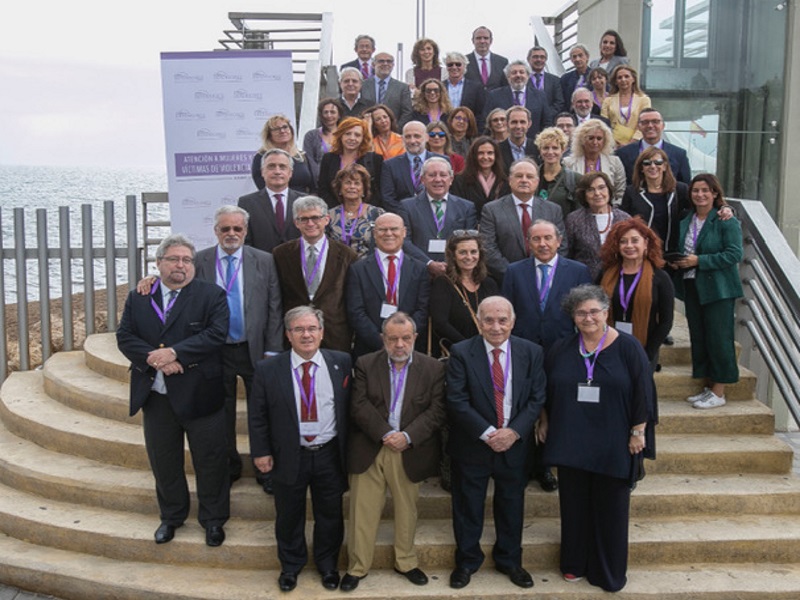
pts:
[432, 90]
[228, 228]
[464, 233]
[435, 134]
[454, 64]
[656, 161]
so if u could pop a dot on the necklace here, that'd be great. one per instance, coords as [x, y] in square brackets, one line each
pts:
[608, 222]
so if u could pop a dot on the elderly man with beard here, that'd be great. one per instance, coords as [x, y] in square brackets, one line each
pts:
[519, 93]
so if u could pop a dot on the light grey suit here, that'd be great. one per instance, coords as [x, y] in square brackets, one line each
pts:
[501, 229]
[398, 98]
[421, 226]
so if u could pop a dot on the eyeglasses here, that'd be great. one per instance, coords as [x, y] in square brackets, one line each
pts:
[454, 64]
[498, 120]
[459, 118]
[464, 233]
[384, 61]
[651, 122]
[432, 91]
[310, 219]
[655, 161]
[228, 228]
[313, 329]
[435, 134]
[582, 314]
[281, 128]
[174, 260]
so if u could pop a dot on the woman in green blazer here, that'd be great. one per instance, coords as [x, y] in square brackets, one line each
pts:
[707, 280]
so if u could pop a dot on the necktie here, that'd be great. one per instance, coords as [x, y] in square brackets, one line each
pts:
[484, 71]
[538, 80]
[526, 225]
[308, 414]
[391, 282]
[365, 70]
[312, 267]
[439, 210]
[280, 219]
[236, 324]
[381, 90]
[517, 98]
[170, 298]
[545, 269]
[499, 387]
[417, 174]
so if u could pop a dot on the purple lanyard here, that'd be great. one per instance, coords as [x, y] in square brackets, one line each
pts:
[596, 166]
[625, 297]
[229, 285]
[347, 234]
[162, 315]
[398, 379]
[547, 283]
[586, 355]
[439, 222]
[303, 260]
[622, 114]
[581, 81]
[303, 397]
[505, 371]
[597, 100]
[390, 289]
[325, 146]
[438, 115]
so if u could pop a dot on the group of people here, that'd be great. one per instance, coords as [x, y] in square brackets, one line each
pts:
[546, 284]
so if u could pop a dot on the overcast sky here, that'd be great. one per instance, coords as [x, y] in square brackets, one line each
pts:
[81, 80]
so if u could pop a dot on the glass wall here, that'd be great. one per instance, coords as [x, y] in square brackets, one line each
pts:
[714, 68]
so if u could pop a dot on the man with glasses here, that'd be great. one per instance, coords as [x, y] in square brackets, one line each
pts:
[546, 82]
[312, 271]
[173, 338]
[519, 93]
[583, 107]
[485, 67]
[463, 91]
[651, 124]
[297, 421]
[382, 88]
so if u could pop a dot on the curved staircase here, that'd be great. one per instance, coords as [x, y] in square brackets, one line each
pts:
[718, 515]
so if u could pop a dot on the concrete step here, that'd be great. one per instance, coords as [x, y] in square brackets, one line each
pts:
[675, 382]
[743, 417]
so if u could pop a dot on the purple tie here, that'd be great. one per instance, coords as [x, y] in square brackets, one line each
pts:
[484, 71]
[518, 98]
[365, 70]
[279, 210]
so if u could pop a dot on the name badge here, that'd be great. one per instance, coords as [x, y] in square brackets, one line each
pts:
[437, 246]
[310, 428]
[624, 327]
[588, 393]
[387, 310]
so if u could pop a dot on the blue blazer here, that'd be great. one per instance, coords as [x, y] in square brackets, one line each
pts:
[470, 400]
[569, 82]
[678, 160]
[421, 226]
[552, 89]
[520, 287]
[535, 101]
[396, 182]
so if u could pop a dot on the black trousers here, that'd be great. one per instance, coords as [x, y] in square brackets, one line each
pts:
[321, 471]
[164, 438]
[594, 527]
[235, 361]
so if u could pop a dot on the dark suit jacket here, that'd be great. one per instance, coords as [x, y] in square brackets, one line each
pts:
[331, 165]
[421, 226]
[422, 416]
[552, 90]
[497, 78]
[535, 101]
[470, 400]
[356, 64]
[502, 231]
[398, 98]
[521, 289]
[263, 316]
[366, 294]
[678, 160]
[508, 157]
[473, 96]
[330, 295]
[569, 81]
[594, 115]
[262, 231]
[196, 329]
[272, 412]
[474, 192]
[396, 182]
[361, 105]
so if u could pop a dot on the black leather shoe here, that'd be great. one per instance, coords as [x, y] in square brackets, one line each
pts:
[518, 576]
[460, 578]
[669, 341]
[165, 533]
[287, 581]
[415, 576]
[266, 485]
[215, 535]
[548, 481]
[349, 582]
[330, 580]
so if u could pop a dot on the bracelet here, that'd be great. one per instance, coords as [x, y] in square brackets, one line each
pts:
[637, 433]
[175, 354]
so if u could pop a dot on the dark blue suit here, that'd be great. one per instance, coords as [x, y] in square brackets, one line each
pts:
[521, 288]
[535, 101]
[497, 77]
[569, 81]
[396, 182]
[473, 96]
[678, 160]
[552, 89]
[471, 410]
[417, 213]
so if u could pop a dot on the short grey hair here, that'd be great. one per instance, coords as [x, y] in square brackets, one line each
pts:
[309, 203]
[580, 47]
[584, 293]
[545, 222]
[524, 159]
[437, 159]
[347, 70]
[497, 300]
[516, 63]
[579, 90]
[273, 151]
[398, 318]
[298, 312]
[231, 209]
[176, 239]
[456, 56]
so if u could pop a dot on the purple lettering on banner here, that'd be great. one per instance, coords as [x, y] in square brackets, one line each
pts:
[200, 164]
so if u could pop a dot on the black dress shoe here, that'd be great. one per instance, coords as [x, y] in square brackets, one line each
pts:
[548, 481]
[287, 581]
[165, 533]
[415, 576]
[266, 484]
[330, 580]
[215, 535]
[518, 576]
[669, 341]
[349, 582]
[459, 578]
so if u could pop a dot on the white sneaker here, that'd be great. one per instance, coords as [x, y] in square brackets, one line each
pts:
[701, 396]
[710, 401]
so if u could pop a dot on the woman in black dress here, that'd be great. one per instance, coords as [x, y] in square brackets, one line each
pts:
[484, 178]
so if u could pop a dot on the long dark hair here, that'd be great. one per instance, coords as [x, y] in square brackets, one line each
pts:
[471, 168]
[480, 272]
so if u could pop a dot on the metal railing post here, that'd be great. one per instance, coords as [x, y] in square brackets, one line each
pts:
[22, 290]
[66, 277]
[111, 265]
[44, 284]
[88, 267]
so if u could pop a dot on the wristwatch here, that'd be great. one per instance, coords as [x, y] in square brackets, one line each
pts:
[637, 433]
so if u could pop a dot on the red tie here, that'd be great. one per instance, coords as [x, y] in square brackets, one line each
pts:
[308, 413]
[499, 386]
[365, 70]
[484, 71]
[279, 217]
[391, 282]
[526, 225]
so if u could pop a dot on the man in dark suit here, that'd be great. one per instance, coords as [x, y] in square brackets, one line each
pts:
[382, 88]
[269, 208]
[652, 127]
[433, 214]
[397, 410]
[463, 91]
[173, 338]
[518, 145]
[495, 392]
[312, 271]
[546, 82]
[364, 47]
[401, 176]
[579, 76]
[485, 67]
[297, 420]
[351, 82]
[250, 281]
[582, 106]
[506, 221]
[384, 282]
[519, 93]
